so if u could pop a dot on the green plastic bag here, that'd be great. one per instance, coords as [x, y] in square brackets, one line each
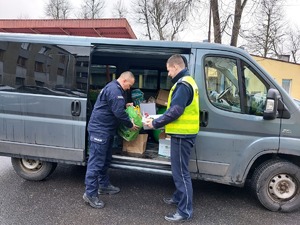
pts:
[125, 132]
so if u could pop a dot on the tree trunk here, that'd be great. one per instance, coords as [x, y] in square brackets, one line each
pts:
[239, 7]
[216, 21]
[236, 23]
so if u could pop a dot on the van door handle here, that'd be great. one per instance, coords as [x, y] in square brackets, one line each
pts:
[203, 118]
[75, 108]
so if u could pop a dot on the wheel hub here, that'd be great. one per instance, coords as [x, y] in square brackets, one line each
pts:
[31, 164]
[282, 187]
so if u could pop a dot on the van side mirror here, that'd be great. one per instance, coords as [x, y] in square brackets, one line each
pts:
[270, 112]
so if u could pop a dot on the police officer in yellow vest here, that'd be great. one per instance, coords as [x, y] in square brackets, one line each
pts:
[181, 121]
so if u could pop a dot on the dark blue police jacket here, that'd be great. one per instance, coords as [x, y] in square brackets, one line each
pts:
[109, 111]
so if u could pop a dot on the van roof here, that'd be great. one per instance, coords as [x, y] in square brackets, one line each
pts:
[87, 41]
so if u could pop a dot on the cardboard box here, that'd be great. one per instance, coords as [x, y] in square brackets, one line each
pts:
[137, 146]
[162, 97]
[163, 135]
[164, 148]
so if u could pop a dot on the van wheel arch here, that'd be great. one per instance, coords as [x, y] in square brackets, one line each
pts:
[32, 169]
[276, 184]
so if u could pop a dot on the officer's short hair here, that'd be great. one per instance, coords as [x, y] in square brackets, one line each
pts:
[127, 74]
[178, 60]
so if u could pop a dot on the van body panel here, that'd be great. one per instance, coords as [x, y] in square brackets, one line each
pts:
[261, 146]
[36, 122]
[34, 119]
[291, 128]
[43, 152]
[44, 99]
[289, 146]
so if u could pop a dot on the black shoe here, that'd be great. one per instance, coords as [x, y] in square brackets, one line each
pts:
[176, 218]
[110, 189]
[169, 201]
[95, 202]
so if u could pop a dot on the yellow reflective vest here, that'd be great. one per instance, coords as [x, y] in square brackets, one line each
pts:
[188, 122]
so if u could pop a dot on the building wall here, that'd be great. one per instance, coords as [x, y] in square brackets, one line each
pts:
[281, 70]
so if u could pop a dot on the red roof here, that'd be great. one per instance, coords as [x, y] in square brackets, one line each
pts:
[114, 28]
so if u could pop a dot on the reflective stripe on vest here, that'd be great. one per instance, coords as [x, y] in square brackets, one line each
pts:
[188, 122]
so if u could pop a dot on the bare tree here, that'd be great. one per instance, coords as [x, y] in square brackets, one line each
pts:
[294, 44]
[141, 15]
[58, 9]
[221, 25]
[159, 17]
[162, 19]
[119, 10]
[179, 18]
[266, 37]
[92, 9]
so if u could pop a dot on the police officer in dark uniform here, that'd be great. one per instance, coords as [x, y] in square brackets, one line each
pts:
[108, 113]
[181, 121]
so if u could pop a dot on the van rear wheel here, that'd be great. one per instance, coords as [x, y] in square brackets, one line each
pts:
[276, 184]
[33, 170]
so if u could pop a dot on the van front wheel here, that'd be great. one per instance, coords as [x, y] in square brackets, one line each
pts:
[276, 184]
[33, 170]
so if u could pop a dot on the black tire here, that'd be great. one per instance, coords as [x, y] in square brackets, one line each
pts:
[33, 170]
[276, 184]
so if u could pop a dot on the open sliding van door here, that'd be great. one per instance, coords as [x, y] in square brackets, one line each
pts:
[43, 105]
[147, 61]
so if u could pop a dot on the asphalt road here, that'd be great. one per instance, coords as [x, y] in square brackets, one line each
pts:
[58, 200]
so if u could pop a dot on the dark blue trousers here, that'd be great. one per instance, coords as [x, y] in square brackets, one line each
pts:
[100, 154]
[180, 157]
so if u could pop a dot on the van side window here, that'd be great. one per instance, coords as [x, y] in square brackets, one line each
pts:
[256, 91]
[222, 83]
[44, 69]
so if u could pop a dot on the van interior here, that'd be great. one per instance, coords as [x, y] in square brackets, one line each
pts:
[149, 69]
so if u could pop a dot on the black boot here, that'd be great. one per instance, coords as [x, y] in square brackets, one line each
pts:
[95, 202]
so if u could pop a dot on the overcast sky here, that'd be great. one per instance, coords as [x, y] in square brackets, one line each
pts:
[34, 9]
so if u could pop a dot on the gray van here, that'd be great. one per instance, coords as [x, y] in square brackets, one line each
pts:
[249, 125]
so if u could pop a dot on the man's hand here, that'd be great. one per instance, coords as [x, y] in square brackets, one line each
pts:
[134, 127]
[129, 104]
[148, 123]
